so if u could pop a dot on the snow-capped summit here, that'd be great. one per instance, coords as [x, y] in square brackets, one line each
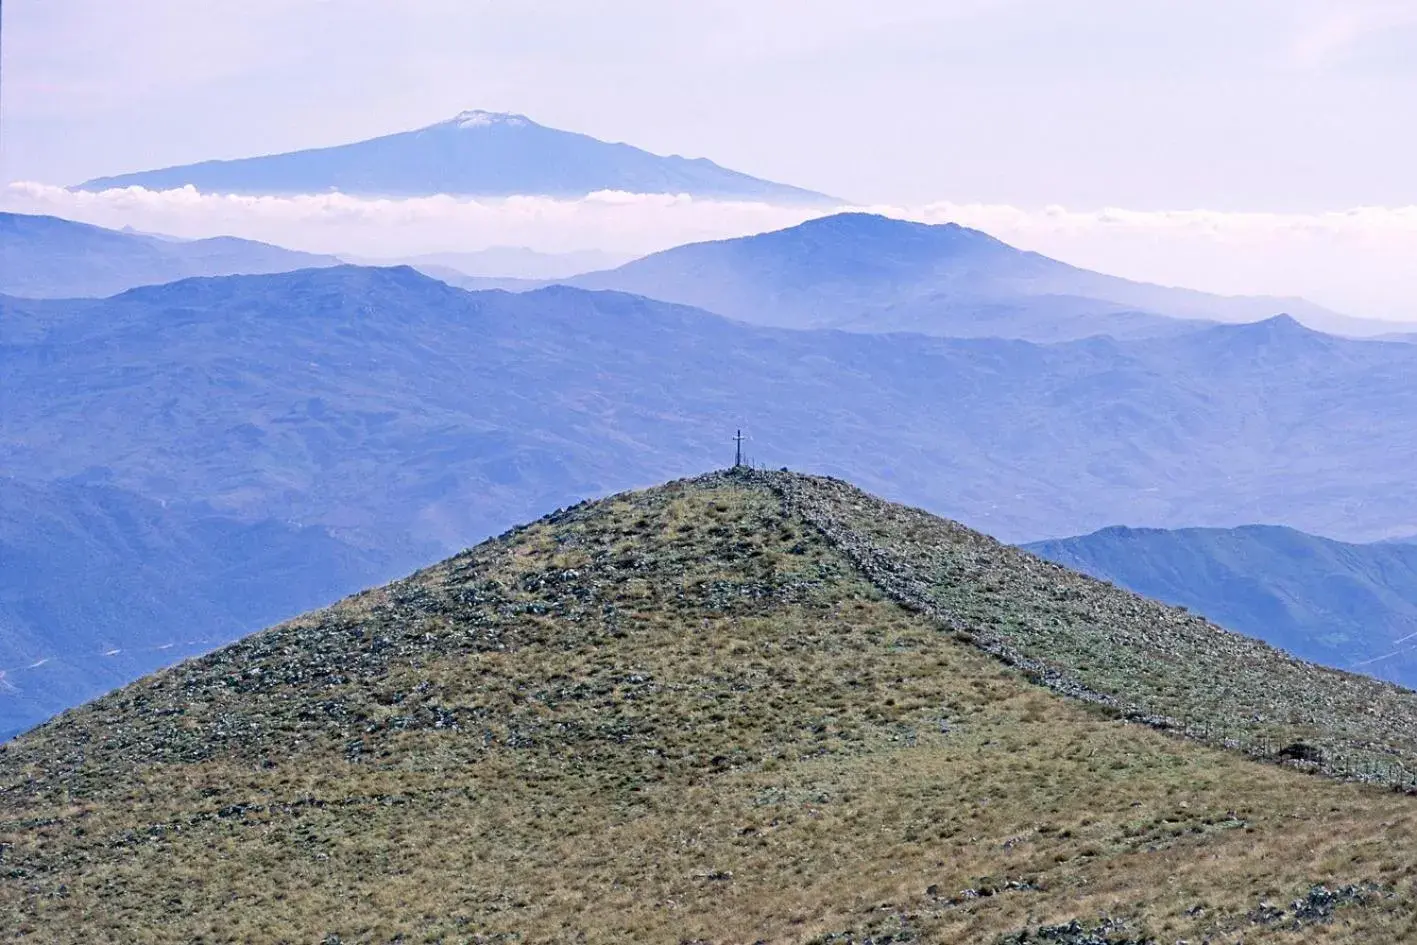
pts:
[510, 154]
[477, 118]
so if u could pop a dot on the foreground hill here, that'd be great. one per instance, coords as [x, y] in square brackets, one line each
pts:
[475, 153]
[1333, 602]
[867, 273]
[48, 257]
[701, 713]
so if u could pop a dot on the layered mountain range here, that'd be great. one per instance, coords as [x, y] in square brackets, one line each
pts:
[299, 371]
[399, 417]
[173, 444]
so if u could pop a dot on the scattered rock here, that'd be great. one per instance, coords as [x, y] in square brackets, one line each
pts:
[1106, 932]
[1315, 906]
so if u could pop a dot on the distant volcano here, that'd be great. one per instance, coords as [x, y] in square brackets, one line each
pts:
[474, 153]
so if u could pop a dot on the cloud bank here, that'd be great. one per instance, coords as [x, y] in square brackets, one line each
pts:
[1358, 261]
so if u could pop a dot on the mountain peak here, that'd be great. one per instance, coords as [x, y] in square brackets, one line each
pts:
[819, 273]
[858, 223]
[1283, 322]
[1277, 329]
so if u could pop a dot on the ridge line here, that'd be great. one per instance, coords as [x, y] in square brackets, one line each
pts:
[890, 575]
[879, 567]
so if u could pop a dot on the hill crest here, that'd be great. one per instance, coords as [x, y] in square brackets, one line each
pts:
[678, 713]
[1076, 635]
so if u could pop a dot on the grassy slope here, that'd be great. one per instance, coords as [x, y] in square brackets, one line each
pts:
[1089, 638]
[671, 716]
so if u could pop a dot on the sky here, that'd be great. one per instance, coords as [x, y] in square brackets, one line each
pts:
[1231, 145]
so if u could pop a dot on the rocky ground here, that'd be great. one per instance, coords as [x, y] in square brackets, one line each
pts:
[750, 706]
[1091, 640]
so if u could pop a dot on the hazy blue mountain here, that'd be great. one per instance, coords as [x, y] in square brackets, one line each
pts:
[48, 257]
[1347, 605]
[867, 273]
[456, 277]
[315, 379]
[475, 153]
[399, 417]
[99, 585]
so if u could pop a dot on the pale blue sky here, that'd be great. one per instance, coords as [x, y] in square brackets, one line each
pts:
[1224, 104]
[1296, 110]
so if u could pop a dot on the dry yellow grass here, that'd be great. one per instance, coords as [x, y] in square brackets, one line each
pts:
[712, 730]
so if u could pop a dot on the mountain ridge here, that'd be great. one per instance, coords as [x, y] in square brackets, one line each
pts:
[502, 262]
[869, 273]
[1118, 368]
[50, 257]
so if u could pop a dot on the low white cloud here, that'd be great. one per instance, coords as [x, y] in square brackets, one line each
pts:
[1358, 261]
[338, 223]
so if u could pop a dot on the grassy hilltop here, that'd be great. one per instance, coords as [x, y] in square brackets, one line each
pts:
[746, 707]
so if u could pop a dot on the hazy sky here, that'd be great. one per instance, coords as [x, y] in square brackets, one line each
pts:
[1266, 116]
